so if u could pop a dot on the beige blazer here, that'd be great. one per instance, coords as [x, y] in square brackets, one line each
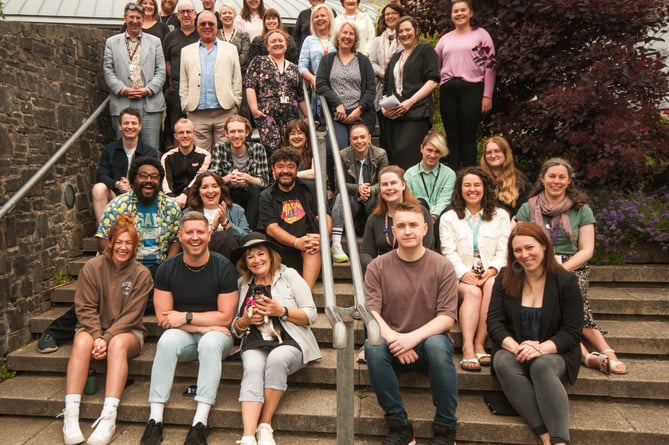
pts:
[228, 76]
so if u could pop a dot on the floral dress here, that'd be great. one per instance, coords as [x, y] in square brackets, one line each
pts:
[278, 97]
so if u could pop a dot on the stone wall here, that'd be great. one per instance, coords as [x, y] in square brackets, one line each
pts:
[51, 82]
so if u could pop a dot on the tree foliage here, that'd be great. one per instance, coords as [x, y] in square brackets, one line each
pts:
[575, 78]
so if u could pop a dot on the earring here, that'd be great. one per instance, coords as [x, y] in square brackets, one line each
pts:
[516, 267]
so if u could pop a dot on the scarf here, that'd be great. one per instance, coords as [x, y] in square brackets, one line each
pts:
[388, 45]
[558, 214]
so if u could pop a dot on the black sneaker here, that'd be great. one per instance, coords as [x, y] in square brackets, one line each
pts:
[197, 435]
[153, 433]
[46, 343]
[443, 435]
[399, 434]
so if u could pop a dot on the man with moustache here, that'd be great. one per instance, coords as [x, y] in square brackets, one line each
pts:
[115, 160]
[195, 298]
[243, 166]
[183, 163]
[362, 162]
[288, 216]
[412, 293]
[134, 71]
[210, 82]
[167, 14]
[174, 42]
[157, 220]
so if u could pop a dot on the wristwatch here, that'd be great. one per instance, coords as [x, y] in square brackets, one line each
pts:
[189, 317]
[284, 317]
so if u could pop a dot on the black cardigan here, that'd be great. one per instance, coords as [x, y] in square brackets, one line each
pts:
[421, 66]
[561, 317]
[367, 85]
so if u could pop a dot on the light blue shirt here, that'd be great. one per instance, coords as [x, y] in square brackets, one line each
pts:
[208, 99]
[311, 54]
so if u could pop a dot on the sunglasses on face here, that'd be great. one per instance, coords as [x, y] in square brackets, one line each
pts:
[207, 24]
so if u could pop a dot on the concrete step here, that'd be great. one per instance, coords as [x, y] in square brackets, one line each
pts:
[604, 299]
[627, 337]
[313, 410]
[648, 377]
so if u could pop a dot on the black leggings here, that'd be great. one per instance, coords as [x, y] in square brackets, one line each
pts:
[460, 106]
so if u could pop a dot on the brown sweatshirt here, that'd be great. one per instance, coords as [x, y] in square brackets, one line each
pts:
[111, 300]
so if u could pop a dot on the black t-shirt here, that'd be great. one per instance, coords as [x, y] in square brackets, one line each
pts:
[196, 291]
[293, 210]
[174, 42]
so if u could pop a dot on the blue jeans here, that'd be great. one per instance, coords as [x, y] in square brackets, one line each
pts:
[176, 345]
[435, 355]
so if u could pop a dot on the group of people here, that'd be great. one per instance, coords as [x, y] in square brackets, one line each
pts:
[178, 233]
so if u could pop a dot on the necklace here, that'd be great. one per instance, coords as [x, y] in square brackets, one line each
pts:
[197, 268]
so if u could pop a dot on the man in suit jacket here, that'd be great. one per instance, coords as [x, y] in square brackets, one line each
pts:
[209, 97]
[134, 69]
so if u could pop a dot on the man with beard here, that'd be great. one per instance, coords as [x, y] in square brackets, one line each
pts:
[210, 82]
[174, 42]
[243, 166]
[115, 161]
[288, 215]
[183, 163]
[167, 14]
[195, 297]
[157, 220]
[134, 71]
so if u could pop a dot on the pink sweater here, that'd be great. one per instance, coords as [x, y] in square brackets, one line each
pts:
[456, 54]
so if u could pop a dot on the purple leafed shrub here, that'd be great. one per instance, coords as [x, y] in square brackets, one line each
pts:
[626, 220]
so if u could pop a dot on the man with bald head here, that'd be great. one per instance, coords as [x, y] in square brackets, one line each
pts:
[210, 85]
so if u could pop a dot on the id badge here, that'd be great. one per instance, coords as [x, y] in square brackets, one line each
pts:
[133, 67]
[558, 258]
[284, 99]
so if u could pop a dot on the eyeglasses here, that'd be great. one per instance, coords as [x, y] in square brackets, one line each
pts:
[144, 176]
[187, 11]
[133, 7]
[207, 24]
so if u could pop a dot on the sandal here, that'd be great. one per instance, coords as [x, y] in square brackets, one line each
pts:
[613, 364]
[602, 362]
[484, 359]
[470, 364]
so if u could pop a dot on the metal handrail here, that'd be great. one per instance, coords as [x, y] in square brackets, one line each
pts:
[342, 328]
[23, 191]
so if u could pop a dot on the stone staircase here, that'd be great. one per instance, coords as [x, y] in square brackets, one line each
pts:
[630, 302]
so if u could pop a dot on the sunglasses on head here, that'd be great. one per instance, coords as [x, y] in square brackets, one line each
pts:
[134, 7]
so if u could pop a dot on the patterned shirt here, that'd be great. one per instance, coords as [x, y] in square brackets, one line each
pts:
[165, 224]
[222, 163]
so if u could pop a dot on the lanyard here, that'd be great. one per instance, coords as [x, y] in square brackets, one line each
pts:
[387, 233]
[434, 184]
[128, 42]
[325, 44]
[475, 230]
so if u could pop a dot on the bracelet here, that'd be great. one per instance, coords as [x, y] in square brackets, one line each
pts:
[238, 327]
[295, 242]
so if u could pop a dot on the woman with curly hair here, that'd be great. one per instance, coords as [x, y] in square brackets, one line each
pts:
[473, 234]
[511, 184]
[561, 209]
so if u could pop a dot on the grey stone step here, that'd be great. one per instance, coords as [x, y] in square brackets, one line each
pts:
[604, 299]
[648, 377]
[627, 337]
[313, 410]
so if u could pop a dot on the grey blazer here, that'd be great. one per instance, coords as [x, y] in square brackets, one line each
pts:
[117, 73]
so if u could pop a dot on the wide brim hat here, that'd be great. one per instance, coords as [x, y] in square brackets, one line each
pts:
[253, 239]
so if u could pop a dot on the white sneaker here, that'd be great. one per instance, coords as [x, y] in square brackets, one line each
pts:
[72, 434]
[265, 435]
[247, 440]
[338, 254]
[106, 426]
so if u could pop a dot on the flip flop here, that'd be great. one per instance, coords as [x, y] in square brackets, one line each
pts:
[484, 359]
[470, 364]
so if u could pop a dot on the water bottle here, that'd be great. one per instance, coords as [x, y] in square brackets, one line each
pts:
[91, 382]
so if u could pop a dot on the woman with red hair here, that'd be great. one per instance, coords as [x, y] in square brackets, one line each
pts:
[112, 291]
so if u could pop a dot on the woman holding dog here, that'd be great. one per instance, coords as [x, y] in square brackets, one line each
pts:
[275, 311]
